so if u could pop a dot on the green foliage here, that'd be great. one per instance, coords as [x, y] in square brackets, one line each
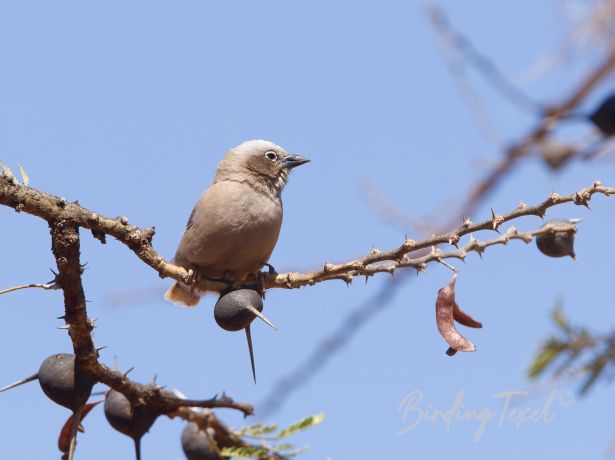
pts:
[25, 178]
[266, 433]
[6, 169]
[549, 351]
[577, 351]
[258, 429]
[245, 452]
[304, 424]
[290, 451]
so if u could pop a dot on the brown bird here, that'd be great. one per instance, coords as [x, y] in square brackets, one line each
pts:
[235, 224]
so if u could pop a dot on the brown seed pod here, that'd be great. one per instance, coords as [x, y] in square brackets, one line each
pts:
[559, 242]
[445, 319]
[65, 434]
[463, 318]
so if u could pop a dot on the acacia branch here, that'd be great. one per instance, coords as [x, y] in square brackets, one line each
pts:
[57, 211]
[363, 266]
[66, 250]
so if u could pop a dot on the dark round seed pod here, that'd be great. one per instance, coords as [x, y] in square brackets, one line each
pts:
[62, 384]
[234, 310]
[557, 243]
[133, 421]
[195, 444]
[604, 116]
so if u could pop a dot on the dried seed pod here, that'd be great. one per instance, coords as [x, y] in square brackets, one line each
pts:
[463, 318]
[133, 421]
[235, 310]
[64, 439]
[445, 316]
[61, 382]
[559, 241]
[604, 116]
[196, 444]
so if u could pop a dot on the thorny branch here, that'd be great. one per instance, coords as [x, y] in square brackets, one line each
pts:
[58, 210]
[364, 312]
[66, 250]
[65, 247]
[65, 218]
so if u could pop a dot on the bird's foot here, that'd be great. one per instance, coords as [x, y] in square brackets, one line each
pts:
[193, 278]
[261, 280]
[271, 268]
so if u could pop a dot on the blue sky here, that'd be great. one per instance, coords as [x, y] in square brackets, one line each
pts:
[128, 107]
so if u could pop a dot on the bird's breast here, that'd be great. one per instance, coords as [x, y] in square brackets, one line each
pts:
[234, 230]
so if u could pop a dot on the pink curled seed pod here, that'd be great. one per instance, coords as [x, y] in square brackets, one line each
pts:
[445, 307]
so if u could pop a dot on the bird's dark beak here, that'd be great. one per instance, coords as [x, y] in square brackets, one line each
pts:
[292, 161]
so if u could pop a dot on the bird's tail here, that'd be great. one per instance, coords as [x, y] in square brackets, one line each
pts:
[182, 294]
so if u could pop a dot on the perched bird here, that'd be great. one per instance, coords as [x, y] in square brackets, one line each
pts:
[235, 224]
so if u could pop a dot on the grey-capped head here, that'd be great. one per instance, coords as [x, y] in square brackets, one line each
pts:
[263, 161]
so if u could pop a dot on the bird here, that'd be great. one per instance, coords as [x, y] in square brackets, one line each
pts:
[235, 224]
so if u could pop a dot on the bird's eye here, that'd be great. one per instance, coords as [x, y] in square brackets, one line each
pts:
[271, 155]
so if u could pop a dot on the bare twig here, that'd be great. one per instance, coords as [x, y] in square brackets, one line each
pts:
[60, 213]
[370, 264]
[46, 286]
[73, 433]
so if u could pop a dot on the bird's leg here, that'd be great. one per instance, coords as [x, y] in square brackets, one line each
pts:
[261, 283]
[262, 277]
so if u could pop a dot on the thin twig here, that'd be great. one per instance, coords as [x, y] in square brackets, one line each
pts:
[55, 209]
[73, 433]
[46, 286]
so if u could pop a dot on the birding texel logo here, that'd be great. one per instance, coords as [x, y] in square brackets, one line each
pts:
[514, 410]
